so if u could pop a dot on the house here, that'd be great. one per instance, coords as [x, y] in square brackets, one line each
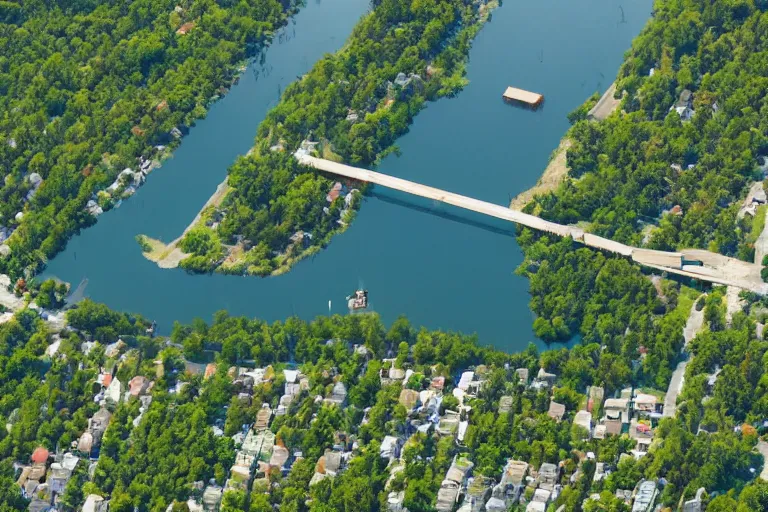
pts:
[409, 398]
[645, 496]
[512, 481]
[595, 397]
[645, 403]
[114, 392]
[454, 480]
[262, 417]
[212, 497]
[496, 505]
[97, 425]
[522, 375]
[61, 472]
[139, 385]
[338, 395]
[95, 503]
[642, 434]
[449, 423]
[695, 504]
[478, 492]
[684, 105]
[328, 465]
[395, 501]
[584, 420]
[437, 384]
[186, 28]
[549, 475]
[600, 472]
[466, 378]
[617, 409]
[280, 457]
[556, 411]
[390, 448]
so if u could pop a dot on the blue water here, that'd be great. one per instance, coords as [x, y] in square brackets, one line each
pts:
[441, 266]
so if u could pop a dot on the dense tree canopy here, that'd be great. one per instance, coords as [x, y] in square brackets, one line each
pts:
[87, 87]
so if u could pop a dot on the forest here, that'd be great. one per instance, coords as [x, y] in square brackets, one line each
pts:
[351, 106]
[87, 88]
[665, 179]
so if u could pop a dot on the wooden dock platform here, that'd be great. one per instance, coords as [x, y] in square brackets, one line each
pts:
[527, 98]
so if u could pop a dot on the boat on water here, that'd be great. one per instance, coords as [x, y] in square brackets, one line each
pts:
[358, 301]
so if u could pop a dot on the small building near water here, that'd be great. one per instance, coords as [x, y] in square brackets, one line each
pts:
[526, 98]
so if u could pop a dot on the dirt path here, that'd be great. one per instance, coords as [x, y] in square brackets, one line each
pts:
[554, 174]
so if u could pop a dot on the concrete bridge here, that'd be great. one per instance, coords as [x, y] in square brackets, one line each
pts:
[693, 263]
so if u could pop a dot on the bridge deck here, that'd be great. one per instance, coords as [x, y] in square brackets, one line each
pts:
[716, 267]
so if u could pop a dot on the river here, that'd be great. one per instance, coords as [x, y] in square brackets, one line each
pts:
[442, 267]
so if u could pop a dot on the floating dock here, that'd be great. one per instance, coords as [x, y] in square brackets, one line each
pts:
[527, 98]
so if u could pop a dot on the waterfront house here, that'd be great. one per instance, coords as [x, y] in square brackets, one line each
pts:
[522, 375]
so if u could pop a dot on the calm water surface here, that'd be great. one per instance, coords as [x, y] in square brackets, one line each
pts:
[443, 267]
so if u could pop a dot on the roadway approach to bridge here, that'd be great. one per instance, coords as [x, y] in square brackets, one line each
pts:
[693, 263]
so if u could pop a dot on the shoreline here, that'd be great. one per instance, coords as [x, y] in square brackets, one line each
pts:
[554, 174]
[170, 255]
[557, 169]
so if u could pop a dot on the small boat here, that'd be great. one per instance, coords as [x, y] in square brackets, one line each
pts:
[358, 300]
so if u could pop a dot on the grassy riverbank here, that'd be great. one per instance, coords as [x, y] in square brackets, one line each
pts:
[350, 107]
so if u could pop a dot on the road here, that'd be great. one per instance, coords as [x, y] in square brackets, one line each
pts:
[691, 329]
